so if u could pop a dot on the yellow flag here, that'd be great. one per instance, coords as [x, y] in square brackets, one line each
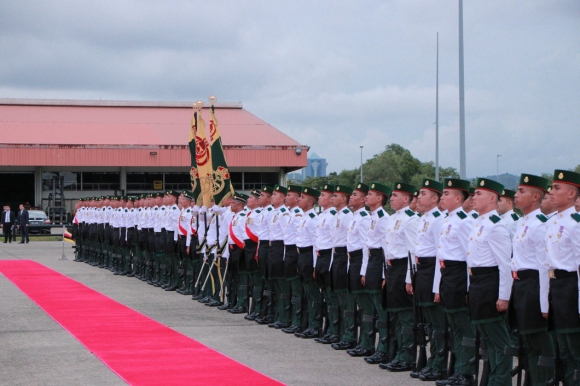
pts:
[203, 161]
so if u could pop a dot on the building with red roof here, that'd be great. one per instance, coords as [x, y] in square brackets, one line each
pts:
[126, 147]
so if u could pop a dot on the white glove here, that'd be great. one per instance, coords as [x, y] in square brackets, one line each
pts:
[195, 209]
[216, 209]
[203, 209]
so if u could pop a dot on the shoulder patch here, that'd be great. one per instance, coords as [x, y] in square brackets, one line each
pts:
[242, 214]
[381, 213]
[576, 216]
[542, 218]
[282, 209]
[436, 214]
[494, 219]
[363, 213]
[269, 208]
[515, 217]
[296, 210]
[156, 208]
[126, 210]
[312, 215]
[475, 215]
[419, 214]
[258, 211]
[163, 208]
[189, 210]
[410, 213]
[345, 211]
[333, 212]
[461, 214]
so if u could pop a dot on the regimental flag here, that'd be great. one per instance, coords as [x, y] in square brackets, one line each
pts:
[193, 173]
[68, 237]
[222, 183]
[203, 159]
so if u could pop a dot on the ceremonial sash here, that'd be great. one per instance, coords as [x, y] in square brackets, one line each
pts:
[193, 231]
[181, 229]
[252, 236]
[233, 236]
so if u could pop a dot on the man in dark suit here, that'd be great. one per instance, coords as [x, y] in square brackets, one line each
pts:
[23, 224]
[8, 218]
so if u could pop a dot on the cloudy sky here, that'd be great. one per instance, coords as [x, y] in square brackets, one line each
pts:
[334, 75]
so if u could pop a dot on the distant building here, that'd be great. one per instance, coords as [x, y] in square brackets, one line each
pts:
[316, 167]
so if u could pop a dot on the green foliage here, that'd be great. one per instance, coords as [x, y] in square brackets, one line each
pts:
[577, 169]
[394, 164]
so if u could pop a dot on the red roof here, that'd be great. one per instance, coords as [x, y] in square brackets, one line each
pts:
[91, 133]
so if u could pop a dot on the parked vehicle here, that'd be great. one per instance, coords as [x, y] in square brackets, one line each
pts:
[39, 222]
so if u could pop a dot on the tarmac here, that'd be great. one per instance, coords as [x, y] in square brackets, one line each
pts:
[35, 350]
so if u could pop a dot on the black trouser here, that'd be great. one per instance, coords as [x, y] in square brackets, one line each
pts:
[7, 229]
[24, 230]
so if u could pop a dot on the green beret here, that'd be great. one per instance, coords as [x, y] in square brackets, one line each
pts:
[508, 193]
[174, 193]
[294, 188]
[281, 189]
[240, 197]
[378, 187]
[456, 183]
[268, 189]
[433, 185]
[343, 189]
[188, 195]
[255, 193]
[471, 191]
[131, 198]
[489, 185]
[362, 187]
[567, 177]
[328, 188]
[311, 192]
[124, 198]
[158, 194]
[405, 188]
[549, 188]
[534, 181]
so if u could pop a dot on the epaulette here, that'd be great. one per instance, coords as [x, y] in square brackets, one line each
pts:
[419, 214]
[515, 217]
[126, 210]
[312, 215]
[461, 214]
[380, 213]
[363, 213]
[333, 212]
[494, 219]
[242, 214]
[174, 207]
[258, 210]
[436, 214]
[410, 213]
[269, 208]
[576, 216]
[282, 210]
[156, 208]
[189, 210]
[296, 210]
[163, 208]
[475, 215]
[104, 209]
[345, 211]
[140, 209]
[542, 218]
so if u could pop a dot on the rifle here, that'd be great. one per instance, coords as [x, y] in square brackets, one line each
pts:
[444, 352]
[474, 361]
[418, 330]
[519, 352]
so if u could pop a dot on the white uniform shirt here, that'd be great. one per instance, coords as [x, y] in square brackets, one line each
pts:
[376, 235]
[510, 219]
[263, 219]
[278, 222]
[294, 221]
[490, 245]
[427, 238]
[306, 232]
[562, 241]
[529, 250]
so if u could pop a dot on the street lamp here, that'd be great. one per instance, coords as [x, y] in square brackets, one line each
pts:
[497, 167]
[361, 180]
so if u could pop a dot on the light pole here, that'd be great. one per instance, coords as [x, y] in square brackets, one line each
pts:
[497, 167]
[361, 147]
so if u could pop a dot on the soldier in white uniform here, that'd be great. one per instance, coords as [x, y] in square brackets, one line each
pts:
[563, 257]
[250, 268]
[264, 217]
[490, 279]
[505, 209]
[236, 258]
[171, 257]
[400, 250]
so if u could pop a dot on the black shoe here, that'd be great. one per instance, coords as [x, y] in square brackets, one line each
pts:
[377, 358]
[238, 310]
[342, 345]
[186, 292]
[224, 306]
[396, 365]
[457, 380]
[204, 300]
[328, 339]
[214, 303]
[265, 320]
[130, 274]
[170, 288]
[432, 375]
[359, 351]
[251, 316]
[444, 382]
[417, 373]
[22, 242]
[274, 324]
[292, 329]
[309, 333]
[282, 325]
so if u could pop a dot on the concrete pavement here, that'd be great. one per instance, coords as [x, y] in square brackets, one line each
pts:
[35, 350]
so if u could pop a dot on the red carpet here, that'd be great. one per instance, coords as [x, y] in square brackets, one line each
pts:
[137, 348]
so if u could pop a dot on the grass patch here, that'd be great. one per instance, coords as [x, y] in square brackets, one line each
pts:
[44, 238]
